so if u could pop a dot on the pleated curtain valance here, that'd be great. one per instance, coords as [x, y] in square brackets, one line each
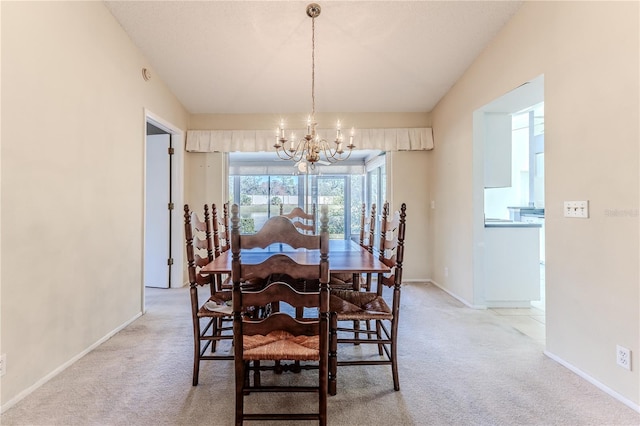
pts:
[401, 139]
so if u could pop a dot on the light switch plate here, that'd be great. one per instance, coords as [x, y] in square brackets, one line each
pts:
[576, 209]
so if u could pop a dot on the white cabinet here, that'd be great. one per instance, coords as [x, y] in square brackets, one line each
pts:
[540, 221]
[497, 149]
[512, 266]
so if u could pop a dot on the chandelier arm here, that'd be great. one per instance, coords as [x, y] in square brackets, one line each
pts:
[332, 155]
[298, 153]
[283, 151]
[329, 154]
[348, 155]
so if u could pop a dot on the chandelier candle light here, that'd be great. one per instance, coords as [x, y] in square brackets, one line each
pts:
[312, 146]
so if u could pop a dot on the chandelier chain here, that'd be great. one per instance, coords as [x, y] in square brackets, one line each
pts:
[313, 67]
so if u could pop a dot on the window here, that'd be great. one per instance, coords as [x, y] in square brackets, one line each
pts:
[376, 182]
[260, 196]
[261, 185]
[528, 153]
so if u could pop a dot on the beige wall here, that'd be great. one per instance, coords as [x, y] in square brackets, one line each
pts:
[205, 179]
[407, 178]
[589, 55]
[73, 102]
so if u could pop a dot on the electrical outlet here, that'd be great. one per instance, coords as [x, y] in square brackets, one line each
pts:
[446, 271]
[623, 357]
[3, 364]
[578, 209]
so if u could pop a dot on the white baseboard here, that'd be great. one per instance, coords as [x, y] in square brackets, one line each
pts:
[455, 296]
[559, 360]
[594, 382]
[13, 401]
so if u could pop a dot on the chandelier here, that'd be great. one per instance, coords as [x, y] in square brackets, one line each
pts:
[312, 148]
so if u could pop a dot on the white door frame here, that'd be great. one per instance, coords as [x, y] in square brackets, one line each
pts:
[177, 189]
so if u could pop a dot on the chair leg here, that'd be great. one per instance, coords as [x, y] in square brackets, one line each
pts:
[368, 283]
[356, 327]
[394, 354]
[245, 378]
[355, 282]
[394, 368]
[333, 353]
[196, 352]
[379, 336]
[241, 381]
[215, 326]
[323, 394]
[256, 373]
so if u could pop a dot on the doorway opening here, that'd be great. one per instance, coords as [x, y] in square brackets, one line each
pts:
[509, 275]
[163, 177]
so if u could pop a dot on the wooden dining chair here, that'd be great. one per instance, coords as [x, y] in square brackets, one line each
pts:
[343, 281]
[279, 337]
[210, 307]
[349, 306]
[304, 221]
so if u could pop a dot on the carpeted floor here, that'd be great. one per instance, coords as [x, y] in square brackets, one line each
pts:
[458, 366]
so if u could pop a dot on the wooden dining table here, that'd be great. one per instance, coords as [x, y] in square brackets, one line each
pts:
[345, 256]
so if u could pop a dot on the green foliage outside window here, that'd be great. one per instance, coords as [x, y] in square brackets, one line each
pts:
[245, 200]
[247, 225]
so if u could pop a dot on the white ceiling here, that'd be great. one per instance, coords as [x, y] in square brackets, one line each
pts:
[255, 56]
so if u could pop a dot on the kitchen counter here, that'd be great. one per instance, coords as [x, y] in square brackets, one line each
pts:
[503, 223]
[516, 213]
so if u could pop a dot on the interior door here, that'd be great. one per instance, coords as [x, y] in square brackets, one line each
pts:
[157, 213]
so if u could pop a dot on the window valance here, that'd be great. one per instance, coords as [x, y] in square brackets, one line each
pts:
[400, 139]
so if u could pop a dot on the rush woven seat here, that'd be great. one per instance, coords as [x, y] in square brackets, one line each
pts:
[350, 306]
[280, 345]
[277, 336]
[220, 300]
[359, 305]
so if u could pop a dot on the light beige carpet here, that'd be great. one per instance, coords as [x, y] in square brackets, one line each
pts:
[458, 366]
